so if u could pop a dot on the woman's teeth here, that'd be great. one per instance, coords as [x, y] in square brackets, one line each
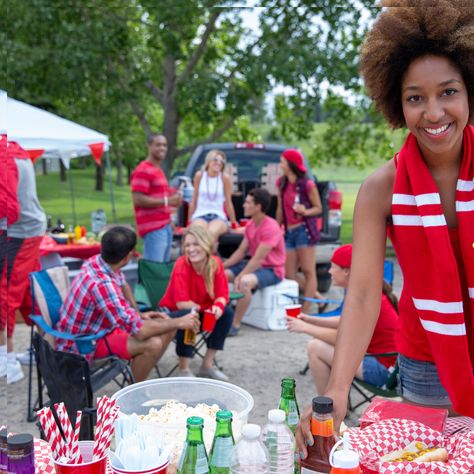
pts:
[437, 131]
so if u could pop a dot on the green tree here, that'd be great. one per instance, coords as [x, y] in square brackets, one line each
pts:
[189, 68]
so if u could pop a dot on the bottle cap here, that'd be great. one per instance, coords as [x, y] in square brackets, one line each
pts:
[251, 431]
[22, 441]
[345, 458]
[276, 416]
[194, 421]
[322, 405]
[224, 415]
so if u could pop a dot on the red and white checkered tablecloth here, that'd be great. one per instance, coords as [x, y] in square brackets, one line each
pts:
[44, 460]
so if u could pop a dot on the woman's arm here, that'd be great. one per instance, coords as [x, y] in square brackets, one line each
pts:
[229, 207]
[193, 203]
[321, 321]
[279, 212]
[362, 302]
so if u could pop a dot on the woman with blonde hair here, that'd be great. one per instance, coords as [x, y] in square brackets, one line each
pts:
[212, 195]
[198, 281]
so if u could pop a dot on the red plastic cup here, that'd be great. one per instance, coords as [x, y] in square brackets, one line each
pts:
[293, 310]
[208, 321]
[88, 466]
[156, 470]
[243, 222]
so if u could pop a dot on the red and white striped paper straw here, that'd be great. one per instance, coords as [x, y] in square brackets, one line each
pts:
[109, 413]
[51, 430]
[75, 452]
[66, 426]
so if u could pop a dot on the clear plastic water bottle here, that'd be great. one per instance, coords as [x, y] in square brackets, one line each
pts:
[280, 442]
[249, 455]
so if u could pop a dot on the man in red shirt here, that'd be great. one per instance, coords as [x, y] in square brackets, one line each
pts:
[265, 242]
[152, 201]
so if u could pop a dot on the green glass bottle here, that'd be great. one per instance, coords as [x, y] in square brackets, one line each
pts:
[219, 458]
[194, 457]
[289, 405]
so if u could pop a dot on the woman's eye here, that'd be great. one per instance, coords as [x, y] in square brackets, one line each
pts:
[450, 91]
[414, 98]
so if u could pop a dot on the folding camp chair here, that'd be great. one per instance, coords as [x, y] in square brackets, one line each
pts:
[49, 287]
[153, 278]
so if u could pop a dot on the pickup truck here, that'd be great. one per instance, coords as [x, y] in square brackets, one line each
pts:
[255, 164]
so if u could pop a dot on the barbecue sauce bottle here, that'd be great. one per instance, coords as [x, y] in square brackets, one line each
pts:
[322, 427]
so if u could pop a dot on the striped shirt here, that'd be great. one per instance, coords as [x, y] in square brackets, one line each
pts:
[95, 302]
[150, 180]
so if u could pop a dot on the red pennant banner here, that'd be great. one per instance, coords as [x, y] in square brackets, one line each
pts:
[35, 154]
[97, 149]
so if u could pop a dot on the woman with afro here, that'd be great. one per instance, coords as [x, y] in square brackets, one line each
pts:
[418, 65]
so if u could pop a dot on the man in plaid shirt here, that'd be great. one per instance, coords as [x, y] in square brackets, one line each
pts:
[100, 298]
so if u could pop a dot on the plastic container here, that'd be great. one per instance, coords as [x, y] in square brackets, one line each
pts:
[249, 455]
[141, 397]
[346, 460]
[280, 442]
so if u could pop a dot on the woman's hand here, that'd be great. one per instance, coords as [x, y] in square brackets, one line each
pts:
[339, 398]
[303, 434]
[299, 209]
[296, 324]
[218, 312]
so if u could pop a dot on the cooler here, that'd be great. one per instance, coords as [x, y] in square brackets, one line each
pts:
[267, 308]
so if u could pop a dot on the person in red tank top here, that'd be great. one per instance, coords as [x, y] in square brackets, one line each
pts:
[374, 370]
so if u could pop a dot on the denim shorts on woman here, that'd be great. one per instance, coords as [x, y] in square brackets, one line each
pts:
[374, 372]
[296, 238]
[419, 382]
[210, 217]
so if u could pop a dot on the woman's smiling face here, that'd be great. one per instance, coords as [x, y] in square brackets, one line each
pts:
[195, 253]
[435, 105]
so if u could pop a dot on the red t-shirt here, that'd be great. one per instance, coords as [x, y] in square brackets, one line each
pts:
[150, 180]
[188, 285]
[268, 232]
[386, 329]
[288, 200]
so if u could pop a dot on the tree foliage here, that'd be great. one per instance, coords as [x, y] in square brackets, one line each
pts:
[189, 68]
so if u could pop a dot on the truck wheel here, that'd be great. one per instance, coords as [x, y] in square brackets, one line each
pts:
[324, 277]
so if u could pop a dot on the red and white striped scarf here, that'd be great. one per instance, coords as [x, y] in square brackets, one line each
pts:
[421, 239]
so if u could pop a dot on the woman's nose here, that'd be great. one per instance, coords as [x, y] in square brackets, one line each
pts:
[434, 111]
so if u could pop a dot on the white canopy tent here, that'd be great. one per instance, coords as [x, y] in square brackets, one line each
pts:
[56, 137]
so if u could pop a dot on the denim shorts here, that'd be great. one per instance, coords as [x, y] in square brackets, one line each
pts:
[210, 217]
[265, 276]
[157, 244]
[296, 238]
[419, 382]
[374, 372]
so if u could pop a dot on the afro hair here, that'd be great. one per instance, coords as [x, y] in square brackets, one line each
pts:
[406, 30]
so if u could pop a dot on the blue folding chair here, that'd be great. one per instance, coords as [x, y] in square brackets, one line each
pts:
[49, 288]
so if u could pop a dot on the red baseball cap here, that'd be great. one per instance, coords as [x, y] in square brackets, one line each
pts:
[295, 157]
[342, 256]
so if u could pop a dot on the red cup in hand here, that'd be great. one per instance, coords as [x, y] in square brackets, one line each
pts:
[244, 222]
[293, 310]
[208, 321]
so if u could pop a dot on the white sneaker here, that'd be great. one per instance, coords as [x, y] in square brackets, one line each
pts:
[14, 371]
[3, 365]
[24, 358]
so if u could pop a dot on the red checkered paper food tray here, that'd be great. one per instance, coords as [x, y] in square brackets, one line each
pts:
[391, 435]
[44, 460]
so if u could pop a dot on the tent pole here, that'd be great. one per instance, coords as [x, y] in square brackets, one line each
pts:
[111, 186]
[73, 201]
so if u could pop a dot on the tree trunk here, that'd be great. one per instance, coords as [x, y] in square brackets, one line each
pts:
[44, 167]
[99, 177]
[118, 164]
[170, 109]
[62, 172]
[129, 173]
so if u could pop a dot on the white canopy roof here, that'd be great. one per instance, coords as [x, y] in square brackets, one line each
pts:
[36, 129]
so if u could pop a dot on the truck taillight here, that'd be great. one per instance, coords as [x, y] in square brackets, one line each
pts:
[335, 199]
[258, 146]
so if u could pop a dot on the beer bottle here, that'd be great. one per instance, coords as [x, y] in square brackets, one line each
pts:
[219, 457]
[289, 405]
[322, 427]
[194, 457]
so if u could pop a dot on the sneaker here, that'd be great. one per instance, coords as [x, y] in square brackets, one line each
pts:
[14, 371]
[233, 331]
[213, 373]
[24, 358]
[184, 373]
[3, 365]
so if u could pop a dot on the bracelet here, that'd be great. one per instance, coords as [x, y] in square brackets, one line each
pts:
[220, 305]
[165, 201]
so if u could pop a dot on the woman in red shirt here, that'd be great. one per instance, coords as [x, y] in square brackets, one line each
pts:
[198, 281]
[374, 370]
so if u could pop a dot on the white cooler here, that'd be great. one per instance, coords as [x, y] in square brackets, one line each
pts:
[267, 308]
